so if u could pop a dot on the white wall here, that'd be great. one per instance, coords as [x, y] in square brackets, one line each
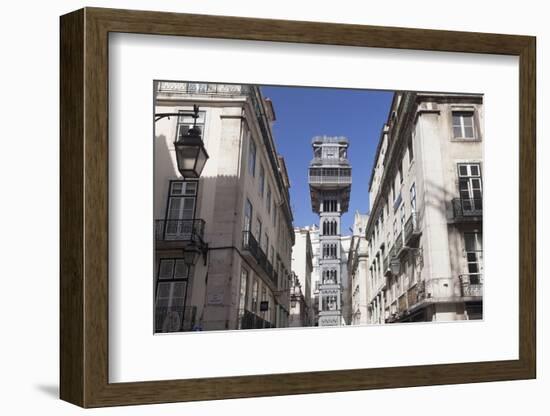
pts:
[29, 359]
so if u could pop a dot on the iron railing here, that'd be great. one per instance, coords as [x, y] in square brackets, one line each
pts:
[251, 244]
[398, 242]
[467, 208]
[471, 284]
[180, 230]
[411, 227]
[332, 179]
[175, 318]
[250, 320]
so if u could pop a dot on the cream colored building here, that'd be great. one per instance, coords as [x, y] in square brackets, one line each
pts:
[425, 245]
[238, 213]
[357, 271]
[302, 266]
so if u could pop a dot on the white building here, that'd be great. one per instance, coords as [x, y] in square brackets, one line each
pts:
[357, 270]
[302, 266]
[237, 214]
[424, 231]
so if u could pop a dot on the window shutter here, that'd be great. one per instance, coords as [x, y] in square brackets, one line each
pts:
[180, 271]
[166, 269]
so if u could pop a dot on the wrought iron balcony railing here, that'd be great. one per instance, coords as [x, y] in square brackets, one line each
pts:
[175, 318]
[332, 179]
[251, 244]
[398, 242]
[467, 209]
[411, 228]
[180, 230]
[471, 284]
[250, 320]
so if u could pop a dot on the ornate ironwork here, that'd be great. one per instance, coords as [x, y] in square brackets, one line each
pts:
[180, 230]
[251, 244]
[467, 209]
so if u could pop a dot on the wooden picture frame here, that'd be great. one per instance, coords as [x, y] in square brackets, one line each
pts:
[84, 207]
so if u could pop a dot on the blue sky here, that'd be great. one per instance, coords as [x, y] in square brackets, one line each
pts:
[303, 113]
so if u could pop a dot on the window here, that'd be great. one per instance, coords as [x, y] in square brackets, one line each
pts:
[251, 156]
[463, 125]
[259, 231]
[180, 209]
[473, 244]
[247, 215]
[264, 298]
[243, 290]
[185, 122]
[266, 241]
[412, 193]
[171, 291]
[410, 150]
[400, 172]
[402, 212]
[262, 180]
[470, 187]
[330, 205]
[268, 199]
[254, 300]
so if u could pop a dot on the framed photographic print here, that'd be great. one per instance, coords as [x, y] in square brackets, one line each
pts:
[255, 207]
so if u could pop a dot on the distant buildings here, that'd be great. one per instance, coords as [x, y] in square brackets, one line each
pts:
[237, 215]
[424, 231]
[302, 268]
[357, 264]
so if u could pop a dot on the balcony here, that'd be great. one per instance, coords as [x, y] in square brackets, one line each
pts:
[175, 318]
[250, 320]
[398, 244]
[467, 210]
[471, 285]
[250, 244]
[411, 230]
[179, 233]
[329, 179]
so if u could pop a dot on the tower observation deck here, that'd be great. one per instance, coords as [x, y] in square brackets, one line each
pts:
[330, 186]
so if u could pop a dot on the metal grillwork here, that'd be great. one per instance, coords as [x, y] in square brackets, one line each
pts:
[411, 228]
[467, 208]
[250, 320]
[180, 230]
[169, 318]
[471, 284]
[251, 244]
[398, 243]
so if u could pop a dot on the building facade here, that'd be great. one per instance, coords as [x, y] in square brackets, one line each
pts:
[302, 267]
[299, 309]
[237, 213]
[424, 232]
[330, 186]
[357, 265]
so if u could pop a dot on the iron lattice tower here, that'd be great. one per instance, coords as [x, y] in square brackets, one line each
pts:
[330, 186]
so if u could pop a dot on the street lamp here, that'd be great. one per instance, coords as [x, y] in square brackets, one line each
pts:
[395, 266]
[191, 155]
[190, 152]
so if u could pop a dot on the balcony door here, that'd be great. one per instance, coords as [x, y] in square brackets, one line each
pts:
[470, 188]
[181, 210]
[473, 244]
